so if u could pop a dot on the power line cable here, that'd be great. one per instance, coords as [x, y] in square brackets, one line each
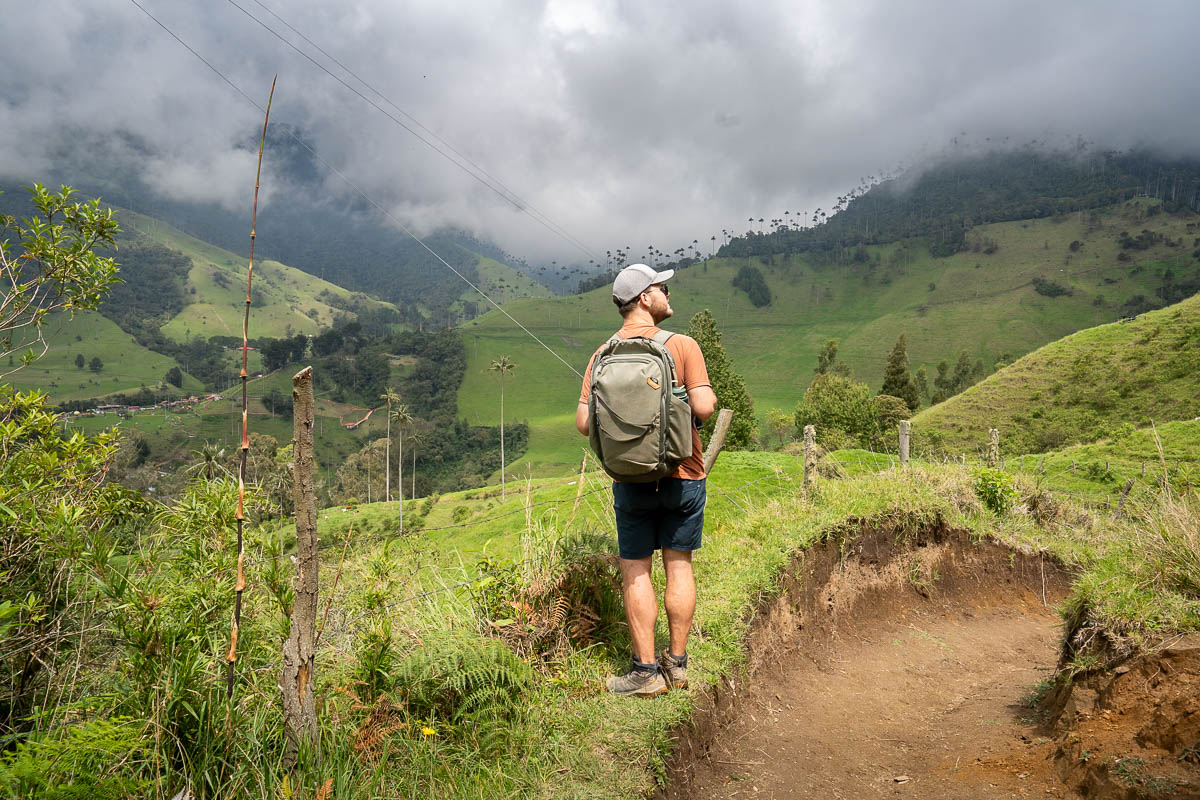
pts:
[361, 193]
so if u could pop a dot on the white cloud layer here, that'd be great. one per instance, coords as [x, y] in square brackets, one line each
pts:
[625, 123]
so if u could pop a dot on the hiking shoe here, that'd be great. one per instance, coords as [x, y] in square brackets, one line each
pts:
[638, 683]
[673, 669]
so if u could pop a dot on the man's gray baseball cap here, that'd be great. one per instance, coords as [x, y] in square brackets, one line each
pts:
[635, 279]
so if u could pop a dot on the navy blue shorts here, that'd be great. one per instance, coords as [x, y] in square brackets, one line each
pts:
[651, 516]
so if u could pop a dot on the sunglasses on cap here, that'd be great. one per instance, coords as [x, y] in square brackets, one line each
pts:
[662, 287]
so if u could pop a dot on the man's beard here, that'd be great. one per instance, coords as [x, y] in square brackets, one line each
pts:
[659, 314]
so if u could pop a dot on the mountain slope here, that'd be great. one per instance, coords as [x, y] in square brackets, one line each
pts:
[987, 304]
[286, 300]
[1081, 388]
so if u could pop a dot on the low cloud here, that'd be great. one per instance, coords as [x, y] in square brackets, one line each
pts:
[625, 124]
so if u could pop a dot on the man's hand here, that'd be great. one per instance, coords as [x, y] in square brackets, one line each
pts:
[581, 418]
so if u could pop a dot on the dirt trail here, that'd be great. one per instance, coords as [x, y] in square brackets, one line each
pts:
[897, 669]
[929, 705]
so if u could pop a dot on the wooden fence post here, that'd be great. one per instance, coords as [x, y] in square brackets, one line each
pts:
[724, 417]
[993, 447]
[810, 443]
[905, 426]
[1124, 494]
[297, 679]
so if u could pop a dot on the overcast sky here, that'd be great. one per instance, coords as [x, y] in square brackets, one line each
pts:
[625, 123]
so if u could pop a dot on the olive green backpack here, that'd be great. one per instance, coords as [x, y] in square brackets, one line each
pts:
[640, 422]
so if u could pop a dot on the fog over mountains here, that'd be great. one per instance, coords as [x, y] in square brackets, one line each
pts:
[626, 124]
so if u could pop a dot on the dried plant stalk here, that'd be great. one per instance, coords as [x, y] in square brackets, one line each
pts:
[231, 658]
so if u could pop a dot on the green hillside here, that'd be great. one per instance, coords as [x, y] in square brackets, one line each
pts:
[986, 303]
[1081, 388]
[287, 301]
[127, 366]
[500, 282]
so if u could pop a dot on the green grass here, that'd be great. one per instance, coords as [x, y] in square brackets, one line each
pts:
[1079, 389]
[985, 304]
[576, 741]
[127, 365]
[1098, 472]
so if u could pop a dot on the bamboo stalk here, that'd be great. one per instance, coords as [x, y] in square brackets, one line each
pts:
[231, 658]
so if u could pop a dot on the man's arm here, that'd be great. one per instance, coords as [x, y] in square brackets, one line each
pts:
[702, 399]
[581, 418]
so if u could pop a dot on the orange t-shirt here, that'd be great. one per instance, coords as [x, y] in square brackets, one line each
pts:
[690, 372]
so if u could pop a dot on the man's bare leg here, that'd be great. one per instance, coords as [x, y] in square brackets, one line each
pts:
[641, 606]
[680, 597]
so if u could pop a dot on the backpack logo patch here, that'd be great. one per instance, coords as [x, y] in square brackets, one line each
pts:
[653, 384]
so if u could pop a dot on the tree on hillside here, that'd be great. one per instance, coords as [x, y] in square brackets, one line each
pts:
[174, 377]
[402, 417]
[897, 380]
[750, 280]
[48, 262]
[921, 379]
[727, 385]
[962, 372]
[827, 361]
[95, 365]
[943, 384]
[389, 397]
[889, 410]
[841, 410]
[502, 365]
[79, 361]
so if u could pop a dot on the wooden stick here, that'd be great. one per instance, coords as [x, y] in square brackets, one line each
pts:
[231, 658]
[297, 678]
[724, 417]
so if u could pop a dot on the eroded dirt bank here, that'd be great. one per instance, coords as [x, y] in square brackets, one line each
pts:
[907, 670]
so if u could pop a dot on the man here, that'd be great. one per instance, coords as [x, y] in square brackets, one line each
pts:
[666, 515]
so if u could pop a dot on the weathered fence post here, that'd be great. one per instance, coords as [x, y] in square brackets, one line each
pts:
[296, 681]
[724, 417]
[993, 447]
[905, 425]
[810, 443]
[1124, 494]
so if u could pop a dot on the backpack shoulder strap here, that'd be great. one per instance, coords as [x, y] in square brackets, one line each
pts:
[661, 338]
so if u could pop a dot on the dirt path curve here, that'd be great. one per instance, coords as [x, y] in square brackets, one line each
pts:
[887, 667]
[928, 705]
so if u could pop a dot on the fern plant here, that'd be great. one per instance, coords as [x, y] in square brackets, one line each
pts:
[457, 677]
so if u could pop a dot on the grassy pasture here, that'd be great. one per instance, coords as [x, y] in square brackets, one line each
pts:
[127, 365]
[983, 303]
[1080, 388]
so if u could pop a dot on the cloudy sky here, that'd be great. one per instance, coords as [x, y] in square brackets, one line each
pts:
[622, 123]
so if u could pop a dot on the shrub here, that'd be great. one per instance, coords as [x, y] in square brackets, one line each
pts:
[996, 490]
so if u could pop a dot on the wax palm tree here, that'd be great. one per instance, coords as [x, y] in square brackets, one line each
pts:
[502, 365]
[402, 416]
[415, 440]
[390, 396]
[209, 458]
